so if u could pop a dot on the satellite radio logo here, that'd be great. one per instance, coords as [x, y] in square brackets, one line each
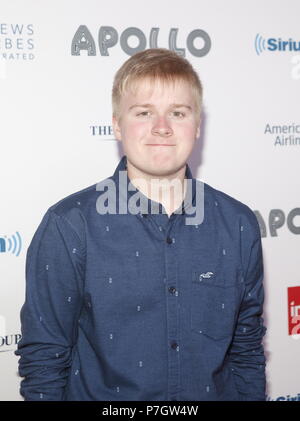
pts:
[275, 44]
[12, 244]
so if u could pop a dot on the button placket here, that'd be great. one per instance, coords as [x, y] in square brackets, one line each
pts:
[171, 261]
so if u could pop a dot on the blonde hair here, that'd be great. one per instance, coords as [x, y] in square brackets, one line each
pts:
[155, 64]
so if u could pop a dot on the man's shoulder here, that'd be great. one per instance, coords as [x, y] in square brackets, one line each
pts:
[82, 201]
[231, 208]
[79, 198]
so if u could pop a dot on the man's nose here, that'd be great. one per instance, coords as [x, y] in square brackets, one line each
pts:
[161, 127]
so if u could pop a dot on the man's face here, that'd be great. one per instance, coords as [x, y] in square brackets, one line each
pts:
[158, 126]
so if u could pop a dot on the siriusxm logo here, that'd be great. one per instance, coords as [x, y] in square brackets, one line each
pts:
[12, 244]
[285, 398]
[275, 44]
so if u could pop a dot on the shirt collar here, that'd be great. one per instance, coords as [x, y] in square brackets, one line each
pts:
[127, 190]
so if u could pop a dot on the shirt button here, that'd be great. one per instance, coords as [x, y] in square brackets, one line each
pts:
[169, 240]
[172, 290]
[174, 345]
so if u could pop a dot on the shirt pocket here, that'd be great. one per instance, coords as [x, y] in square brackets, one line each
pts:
[214, 304]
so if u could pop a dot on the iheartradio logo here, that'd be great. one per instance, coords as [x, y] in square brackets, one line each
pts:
[294, 311]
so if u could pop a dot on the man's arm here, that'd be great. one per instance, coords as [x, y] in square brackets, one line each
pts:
[246, 354]
[49, 316]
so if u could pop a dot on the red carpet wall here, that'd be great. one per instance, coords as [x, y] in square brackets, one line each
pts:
[57, 62]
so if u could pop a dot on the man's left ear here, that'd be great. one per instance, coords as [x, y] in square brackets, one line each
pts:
[198, 132]
[116, 128]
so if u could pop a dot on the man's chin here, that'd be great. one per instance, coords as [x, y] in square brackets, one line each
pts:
[162, 171]
[157, 169]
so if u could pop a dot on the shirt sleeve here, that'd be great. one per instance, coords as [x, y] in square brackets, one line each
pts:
[49, 316]
[246, 354]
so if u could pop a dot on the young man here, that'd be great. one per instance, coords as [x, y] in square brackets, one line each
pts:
[148, 285]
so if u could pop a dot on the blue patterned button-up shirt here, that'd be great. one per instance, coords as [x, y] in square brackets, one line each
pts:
[144, 306]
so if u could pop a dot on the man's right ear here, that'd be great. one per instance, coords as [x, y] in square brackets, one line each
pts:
[116, 128]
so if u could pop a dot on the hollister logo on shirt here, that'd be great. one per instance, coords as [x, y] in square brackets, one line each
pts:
[294, 310]
[206, 275]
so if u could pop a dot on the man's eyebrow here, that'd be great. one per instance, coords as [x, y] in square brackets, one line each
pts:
[151, 105]
[181, 105]
[140, 105]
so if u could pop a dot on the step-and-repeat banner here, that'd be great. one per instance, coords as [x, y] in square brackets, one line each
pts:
[57, 62]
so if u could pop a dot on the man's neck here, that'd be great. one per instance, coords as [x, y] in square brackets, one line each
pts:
[168, 190]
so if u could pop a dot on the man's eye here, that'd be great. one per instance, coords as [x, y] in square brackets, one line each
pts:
[144, 113]
[178, 114]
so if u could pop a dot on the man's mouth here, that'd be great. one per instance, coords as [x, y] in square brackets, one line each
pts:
[159, 144]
